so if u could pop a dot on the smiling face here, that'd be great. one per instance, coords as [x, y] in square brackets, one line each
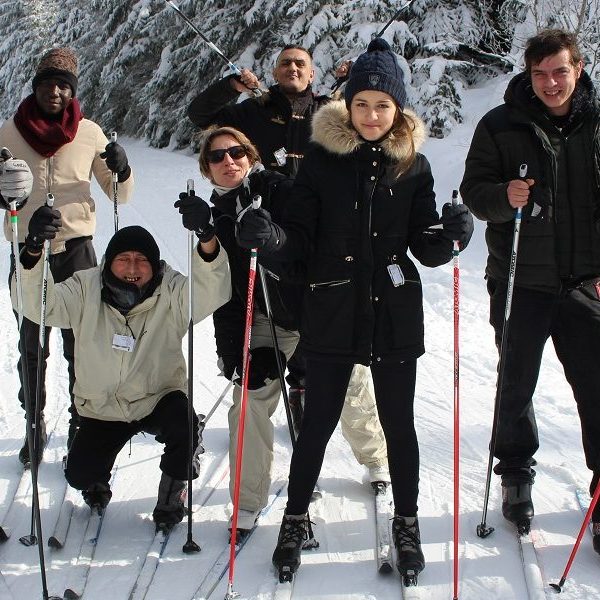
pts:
[53, 95]
[132, 267]
[293, 71]
[372, 114]
[554, 80]
[229, 172]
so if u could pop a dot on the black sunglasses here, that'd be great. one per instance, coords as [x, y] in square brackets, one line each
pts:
[216, 156]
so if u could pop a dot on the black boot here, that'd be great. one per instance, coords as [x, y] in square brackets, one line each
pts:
[170, 506]
[517, 506]
[97, 496]
[41, 441]
[407, 539]
[292, 534]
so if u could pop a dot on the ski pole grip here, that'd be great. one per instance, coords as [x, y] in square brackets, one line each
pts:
[50, 200]
[190, 187]
[256, 201]
[523, 171]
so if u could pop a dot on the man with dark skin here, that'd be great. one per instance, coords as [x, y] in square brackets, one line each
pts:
[59, 149]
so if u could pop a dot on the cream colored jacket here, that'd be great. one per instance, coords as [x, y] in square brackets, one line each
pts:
[115, 385]
[67, 175]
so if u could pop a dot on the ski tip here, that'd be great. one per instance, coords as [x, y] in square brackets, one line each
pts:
[28, 540]
[54, 542]
[4, 534]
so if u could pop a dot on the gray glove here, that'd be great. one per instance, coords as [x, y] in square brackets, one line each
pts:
[16, 182]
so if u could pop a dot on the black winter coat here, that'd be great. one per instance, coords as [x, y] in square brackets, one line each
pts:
[349, 218]
[285, 295]
[270, 121]
[558, 242]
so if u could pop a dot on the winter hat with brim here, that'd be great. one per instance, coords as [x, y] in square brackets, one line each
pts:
[133, 239]
[60, 63]
[377, 69]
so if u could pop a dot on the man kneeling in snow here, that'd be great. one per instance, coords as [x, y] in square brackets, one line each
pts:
[129, 316]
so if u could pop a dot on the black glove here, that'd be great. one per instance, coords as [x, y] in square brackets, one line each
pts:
[263, 367]
[256, 230]
[116, 160]
[458, 223]
[196, 216]
[230, 365]
[43, 225]
[16, 182]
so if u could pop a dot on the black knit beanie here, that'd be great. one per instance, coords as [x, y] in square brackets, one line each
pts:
[377, 69]
[60, 63]
[133, 239]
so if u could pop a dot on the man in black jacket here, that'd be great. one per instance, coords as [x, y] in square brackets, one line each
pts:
[279, 123]
[550, 122]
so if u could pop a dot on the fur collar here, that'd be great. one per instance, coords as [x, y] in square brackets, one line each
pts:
[331, 129]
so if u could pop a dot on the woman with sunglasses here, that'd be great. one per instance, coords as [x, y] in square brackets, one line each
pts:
[362, 198]
[231, 163]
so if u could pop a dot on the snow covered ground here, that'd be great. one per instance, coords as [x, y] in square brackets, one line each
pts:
[344, 565]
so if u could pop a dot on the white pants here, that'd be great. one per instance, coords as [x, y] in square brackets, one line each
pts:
[360, 423]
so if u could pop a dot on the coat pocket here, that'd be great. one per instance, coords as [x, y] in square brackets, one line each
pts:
[328, 316]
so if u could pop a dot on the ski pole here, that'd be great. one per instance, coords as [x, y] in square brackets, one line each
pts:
[30, 540]
[311, 542]
[115, 187]
[231, 65]
[456, 288]
[588, 515]
[230, 595]
[190, 545]
[340, 80]
[482, 529]
[34, 444]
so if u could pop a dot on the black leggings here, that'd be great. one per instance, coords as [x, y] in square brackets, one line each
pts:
[326, 385]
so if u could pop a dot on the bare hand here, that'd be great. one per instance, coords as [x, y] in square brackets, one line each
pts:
[518, 192]
[343, 70]
[246, 81]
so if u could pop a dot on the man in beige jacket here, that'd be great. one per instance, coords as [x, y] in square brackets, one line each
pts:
[129, 316]
[63, 150]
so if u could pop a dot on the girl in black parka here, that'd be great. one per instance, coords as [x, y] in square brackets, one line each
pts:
[363, 197]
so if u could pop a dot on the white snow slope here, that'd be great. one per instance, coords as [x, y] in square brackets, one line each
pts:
[344, 565]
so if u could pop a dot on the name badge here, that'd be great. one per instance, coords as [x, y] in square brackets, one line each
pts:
[125, 343]
[280, 156]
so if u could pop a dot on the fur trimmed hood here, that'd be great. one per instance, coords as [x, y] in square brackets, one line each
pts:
[332, 130]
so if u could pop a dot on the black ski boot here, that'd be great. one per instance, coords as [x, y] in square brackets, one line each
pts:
[292, 535]
[517, 506]
[407, 539]
[170, 506]
[41, 441]
[97, 496]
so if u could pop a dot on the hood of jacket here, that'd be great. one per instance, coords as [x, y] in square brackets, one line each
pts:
[331, 129]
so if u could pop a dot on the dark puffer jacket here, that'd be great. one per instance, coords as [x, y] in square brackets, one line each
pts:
[270, 121]
[558, 240]
[349, 218]
[285, 294]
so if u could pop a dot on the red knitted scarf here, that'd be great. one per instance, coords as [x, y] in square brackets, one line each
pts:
[46, 135]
